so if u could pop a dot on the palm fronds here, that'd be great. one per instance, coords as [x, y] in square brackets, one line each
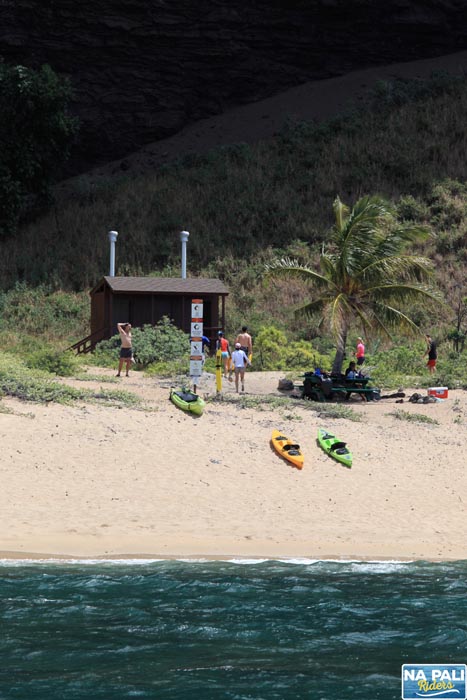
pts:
[286, 267]
[367, 277]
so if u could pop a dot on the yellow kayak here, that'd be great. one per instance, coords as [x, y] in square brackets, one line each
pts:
[287, 449]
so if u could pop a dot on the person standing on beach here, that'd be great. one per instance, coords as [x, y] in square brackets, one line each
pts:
[244, 338]
[224, 347]
[432, 354]
[126, 351]
[240, 361]
[360, 352]
[205, 342]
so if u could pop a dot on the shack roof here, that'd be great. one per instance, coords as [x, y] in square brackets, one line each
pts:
[164, 285]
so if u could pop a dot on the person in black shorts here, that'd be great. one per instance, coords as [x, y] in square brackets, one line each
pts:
[431, 353]
[244, 338]
[126, 350]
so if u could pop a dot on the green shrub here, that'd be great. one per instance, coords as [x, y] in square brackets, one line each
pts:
[301, 355]
[163, 342]
[63, 364]
[405, 365]
[398, 360]
[273, 351]
[106, 353]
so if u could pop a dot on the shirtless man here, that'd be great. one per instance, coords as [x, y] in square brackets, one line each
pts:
[126, 352]
[244, 338]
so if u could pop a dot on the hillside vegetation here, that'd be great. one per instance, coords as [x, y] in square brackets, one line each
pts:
[241, 199]
[246, 205]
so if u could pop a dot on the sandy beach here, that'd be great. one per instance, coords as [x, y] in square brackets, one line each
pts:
[95, 481]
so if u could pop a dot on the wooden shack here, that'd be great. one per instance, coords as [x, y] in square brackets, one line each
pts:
[145, 300]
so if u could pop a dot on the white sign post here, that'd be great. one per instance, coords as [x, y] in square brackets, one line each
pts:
[196, 350]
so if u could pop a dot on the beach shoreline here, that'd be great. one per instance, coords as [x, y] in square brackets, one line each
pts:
[97, 482]
[132, 547]
[7, 558]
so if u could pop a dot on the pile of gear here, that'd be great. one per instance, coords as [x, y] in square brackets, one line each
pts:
[418, 398]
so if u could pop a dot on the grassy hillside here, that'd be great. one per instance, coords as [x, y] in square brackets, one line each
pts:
[244, 205]
[239, 200]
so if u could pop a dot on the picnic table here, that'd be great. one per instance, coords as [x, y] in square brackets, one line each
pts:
[322, 388]
[359, 386]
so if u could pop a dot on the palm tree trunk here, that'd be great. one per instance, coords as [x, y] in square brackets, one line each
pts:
[340, 353]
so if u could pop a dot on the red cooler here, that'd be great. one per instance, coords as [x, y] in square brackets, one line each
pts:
[441, 392]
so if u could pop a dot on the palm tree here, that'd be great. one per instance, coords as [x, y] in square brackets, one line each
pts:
[366, 278]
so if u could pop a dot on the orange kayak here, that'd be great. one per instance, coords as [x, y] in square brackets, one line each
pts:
[287, 449]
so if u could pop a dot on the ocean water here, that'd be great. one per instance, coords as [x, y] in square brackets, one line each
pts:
[264, 630]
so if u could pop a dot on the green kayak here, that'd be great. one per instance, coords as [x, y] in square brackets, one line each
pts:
[187, 401]
[334, 447]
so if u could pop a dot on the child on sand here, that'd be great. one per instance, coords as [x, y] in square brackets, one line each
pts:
[246, 344]
[240, 361]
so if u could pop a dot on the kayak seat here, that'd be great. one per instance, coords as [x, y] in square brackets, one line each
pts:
[338, 446]
[186, 396]
[289, 448]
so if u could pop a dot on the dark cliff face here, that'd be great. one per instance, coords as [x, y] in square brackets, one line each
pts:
[142, 69]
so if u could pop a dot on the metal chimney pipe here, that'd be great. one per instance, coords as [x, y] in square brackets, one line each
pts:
[184, 238]
[112, 238]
